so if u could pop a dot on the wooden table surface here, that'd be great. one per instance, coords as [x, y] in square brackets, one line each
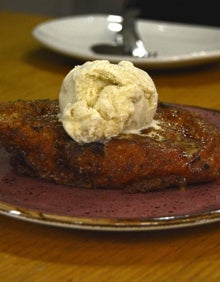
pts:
[34, 252]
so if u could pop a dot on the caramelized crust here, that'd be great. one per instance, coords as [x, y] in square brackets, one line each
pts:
[182, 149]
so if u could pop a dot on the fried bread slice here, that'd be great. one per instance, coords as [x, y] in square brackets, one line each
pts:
[183, 148]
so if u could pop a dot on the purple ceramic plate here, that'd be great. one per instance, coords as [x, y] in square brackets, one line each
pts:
[41, 202]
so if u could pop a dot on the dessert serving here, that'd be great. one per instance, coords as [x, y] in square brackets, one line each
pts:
[107, 131]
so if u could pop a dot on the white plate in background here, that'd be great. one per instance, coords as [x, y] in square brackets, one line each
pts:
[178, 45]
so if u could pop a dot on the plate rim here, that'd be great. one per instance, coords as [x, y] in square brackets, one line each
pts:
[106, 224]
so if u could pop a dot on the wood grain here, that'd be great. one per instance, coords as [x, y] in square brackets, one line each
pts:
[32, 252]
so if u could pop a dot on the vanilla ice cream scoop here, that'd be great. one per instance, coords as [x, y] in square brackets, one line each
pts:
[100, 100]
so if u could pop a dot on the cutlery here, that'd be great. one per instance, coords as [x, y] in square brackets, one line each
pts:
[127, 42]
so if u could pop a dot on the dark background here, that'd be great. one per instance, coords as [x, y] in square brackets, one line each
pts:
[194, 11]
